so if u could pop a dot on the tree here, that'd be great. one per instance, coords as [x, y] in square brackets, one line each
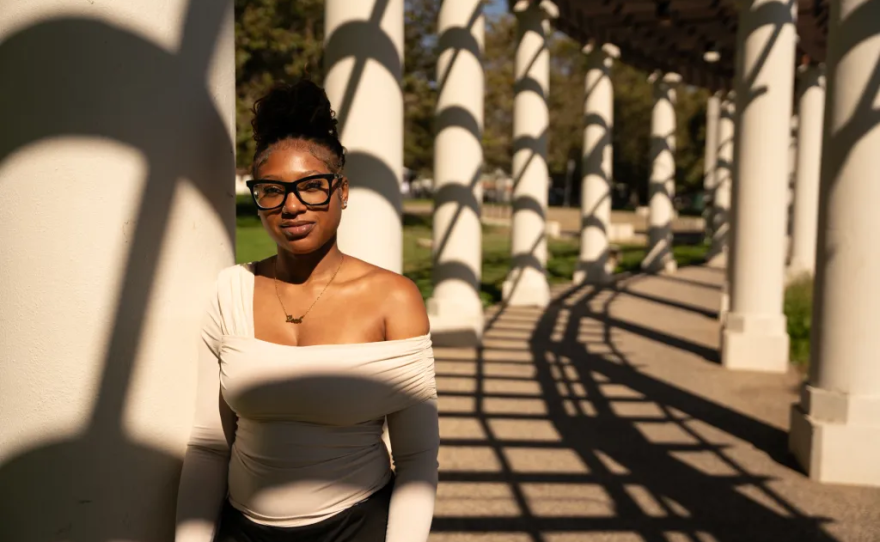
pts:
[275, 40]
[420, 83]
[498, 61]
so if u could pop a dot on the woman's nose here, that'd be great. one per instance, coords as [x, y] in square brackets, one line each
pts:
[292, 204]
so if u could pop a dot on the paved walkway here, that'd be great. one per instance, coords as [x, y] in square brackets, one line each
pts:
[607, 418]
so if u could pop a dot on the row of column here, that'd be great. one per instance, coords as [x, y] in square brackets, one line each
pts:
[455, 308]
[835, 427]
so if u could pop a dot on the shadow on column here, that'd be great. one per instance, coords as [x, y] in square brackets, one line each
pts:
[455, 193]
[85, 77]
[460, 40]
[592, 165]
[373, 173]
[859, 27]
[660, 236]
[776, 15]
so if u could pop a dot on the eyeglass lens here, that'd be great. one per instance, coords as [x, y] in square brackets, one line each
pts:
[312, 192]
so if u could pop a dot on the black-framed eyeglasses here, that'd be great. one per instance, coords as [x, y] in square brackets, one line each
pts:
[314, 191]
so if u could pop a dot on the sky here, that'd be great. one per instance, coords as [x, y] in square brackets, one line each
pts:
[495, 8]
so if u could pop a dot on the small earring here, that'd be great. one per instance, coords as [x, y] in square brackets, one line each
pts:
[344, 203]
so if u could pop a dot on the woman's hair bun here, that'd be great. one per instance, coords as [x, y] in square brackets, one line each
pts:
[296, 111]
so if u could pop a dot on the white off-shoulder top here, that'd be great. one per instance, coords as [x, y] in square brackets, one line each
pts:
[293, 434]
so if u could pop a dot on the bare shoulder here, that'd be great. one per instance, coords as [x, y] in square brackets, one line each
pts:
[397, 298]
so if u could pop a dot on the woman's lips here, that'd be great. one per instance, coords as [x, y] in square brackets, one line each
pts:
[297, 230]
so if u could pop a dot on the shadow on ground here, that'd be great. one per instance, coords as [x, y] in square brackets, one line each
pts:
[570, 425]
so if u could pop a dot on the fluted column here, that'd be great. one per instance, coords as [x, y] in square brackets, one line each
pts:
[811, 109]
[455, 309]
[661, 187]
[117, 207]
[526, 284]
[363, 59]
[594, 264]
[710, 159]
[835, 430]
[754, 335]
[723, 182]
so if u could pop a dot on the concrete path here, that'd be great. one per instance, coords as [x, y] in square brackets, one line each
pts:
[607, 418]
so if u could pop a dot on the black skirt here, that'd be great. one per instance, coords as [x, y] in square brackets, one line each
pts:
[363, 522]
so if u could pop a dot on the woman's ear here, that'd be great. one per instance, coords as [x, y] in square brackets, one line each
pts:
[343, 191]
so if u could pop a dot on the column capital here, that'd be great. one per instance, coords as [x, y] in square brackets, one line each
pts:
[664, 77]
[609, 49]
[547, 8]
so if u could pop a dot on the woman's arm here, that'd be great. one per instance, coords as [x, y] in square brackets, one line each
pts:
[206, 464]
[414, 432]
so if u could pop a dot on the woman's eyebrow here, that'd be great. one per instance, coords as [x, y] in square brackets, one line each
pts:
[300, 177]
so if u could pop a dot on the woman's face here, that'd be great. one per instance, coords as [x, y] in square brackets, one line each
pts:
[295, 226]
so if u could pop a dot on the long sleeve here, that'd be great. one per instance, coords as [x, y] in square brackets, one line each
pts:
[205, 465]
[415, 440]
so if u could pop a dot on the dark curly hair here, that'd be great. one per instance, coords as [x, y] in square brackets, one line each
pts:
[302, 112]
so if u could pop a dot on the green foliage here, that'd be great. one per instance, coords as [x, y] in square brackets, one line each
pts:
[275, 40]
[568, 71]
[419, 83]
[498, 60]
[798, 308]
[631, 138]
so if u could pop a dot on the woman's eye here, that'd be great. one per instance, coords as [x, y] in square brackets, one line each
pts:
[312, 186]
[272, 191]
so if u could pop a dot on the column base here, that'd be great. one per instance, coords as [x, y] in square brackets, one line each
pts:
[528, 293]
[838, 453]
[755, 342]
[594, 273]
[455, 324]
[718, 261]
[725, 303]
[660, 266]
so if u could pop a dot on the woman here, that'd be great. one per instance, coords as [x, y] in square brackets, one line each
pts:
[305, 355]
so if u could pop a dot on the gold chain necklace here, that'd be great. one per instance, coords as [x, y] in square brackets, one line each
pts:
[290, 317]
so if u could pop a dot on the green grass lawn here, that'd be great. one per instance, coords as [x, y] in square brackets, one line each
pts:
[252, 243]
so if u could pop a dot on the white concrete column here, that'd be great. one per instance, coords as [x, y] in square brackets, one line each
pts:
[789, 196]
[723, 182]
[835, 430]
[811, 110]
[526, 284]
[455, 309]
[117, 210]
[363, 59]
[754, 335]
[594, 265]
[710, 158]
[661, 187]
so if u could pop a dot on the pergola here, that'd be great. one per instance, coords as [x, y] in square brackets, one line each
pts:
[125, 111]
[695, 38]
